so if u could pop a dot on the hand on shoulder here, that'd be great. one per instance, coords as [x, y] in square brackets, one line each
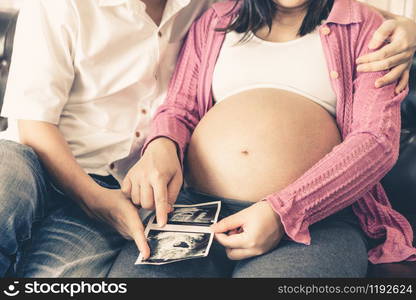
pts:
[396, 55]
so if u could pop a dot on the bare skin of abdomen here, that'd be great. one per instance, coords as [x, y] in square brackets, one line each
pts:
[258, 142]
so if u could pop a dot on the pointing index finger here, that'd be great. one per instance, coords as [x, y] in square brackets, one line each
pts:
[160, 191]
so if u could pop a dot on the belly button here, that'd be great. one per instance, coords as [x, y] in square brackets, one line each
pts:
[245, 152]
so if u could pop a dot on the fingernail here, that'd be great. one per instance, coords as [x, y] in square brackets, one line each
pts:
[358, 61]
[378, 84]
[359, 69]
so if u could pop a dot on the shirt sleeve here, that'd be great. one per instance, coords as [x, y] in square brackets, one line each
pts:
[41, 71]
[369, 150]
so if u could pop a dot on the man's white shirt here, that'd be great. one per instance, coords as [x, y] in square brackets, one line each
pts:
[98, 69]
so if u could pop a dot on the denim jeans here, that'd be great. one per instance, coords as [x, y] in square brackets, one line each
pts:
[338, 249]
[43, 233]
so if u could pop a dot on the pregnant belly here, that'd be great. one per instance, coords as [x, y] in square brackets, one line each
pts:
[257, 142]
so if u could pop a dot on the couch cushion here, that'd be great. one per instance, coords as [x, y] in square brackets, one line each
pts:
[409, 105]
[7, 29]
[400, 182]
[395, 270]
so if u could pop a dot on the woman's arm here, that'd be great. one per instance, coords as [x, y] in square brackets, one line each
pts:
[39, 84]
[155, 181]
[109, 206]
[353, 168]
[177, 118]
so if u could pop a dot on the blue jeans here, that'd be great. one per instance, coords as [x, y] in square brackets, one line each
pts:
[43, 233]
[338, 249]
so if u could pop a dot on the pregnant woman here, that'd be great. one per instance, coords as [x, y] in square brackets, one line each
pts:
[279, 126]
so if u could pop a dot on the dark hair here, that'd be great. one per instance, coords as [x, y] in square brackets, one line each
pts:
[255, 14]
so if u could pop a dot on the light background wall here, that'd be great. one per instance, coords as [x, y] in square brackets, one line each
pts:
[10, 3]
[401, 7]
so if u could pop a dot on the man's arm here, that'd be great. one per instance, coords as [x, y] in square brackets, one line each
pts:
[40, 80]
[54, 152]
[110, 206]
[39, 86]
[397, 55]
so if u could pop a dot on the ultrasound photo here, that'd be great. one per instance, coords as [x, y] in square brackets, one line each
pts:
[171, 246]
[186, 235]
[196, 215]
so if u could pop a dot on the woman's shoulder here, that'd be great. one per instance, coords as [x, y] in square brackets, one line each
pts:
[220, 9]
[368, 21]
[367, 15]
[353, 13]
[358, 20]
[217, 11]
[365, 11]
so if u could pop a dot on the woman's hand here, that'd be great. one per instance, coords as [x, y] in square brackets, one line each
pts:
[155, 181]
[396, 56]
[251, 232]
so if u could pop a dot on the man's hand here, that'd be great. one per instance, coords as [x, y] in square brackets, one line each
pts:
[155, 181]
[110, 206]
[251, 232]
[395, 56]
[115, 209]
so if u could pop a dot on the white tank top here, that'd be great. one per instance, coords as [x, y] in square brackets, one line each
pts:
[298, 66]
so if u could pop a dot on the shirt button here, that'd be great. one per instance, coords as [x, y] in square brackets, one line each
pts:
[138, 134]
[112, 166]
[4, 64]
[334, 74]
[325, 30]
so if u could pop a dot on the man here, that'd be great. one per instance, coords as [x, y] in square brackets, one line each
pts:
[85, 79]
[85, 75]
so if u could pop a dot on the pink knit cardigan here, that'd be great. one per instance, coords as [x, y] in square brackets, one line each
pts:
[368, 118]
